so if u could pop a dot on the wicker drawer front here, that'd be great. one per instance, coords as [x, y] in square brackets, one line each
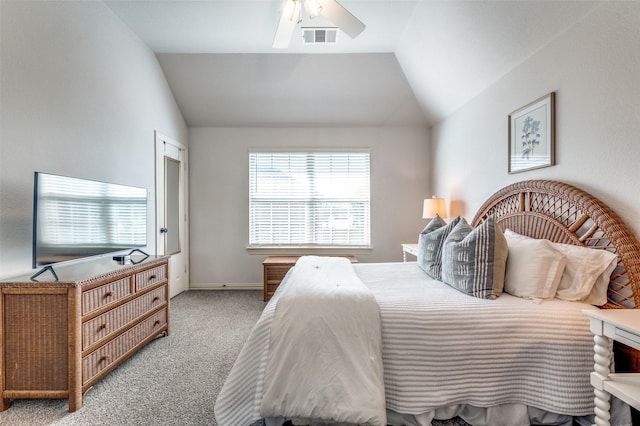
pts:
[99, 360]
[150, 277]
[100, 327]
[277, 273]
[105, 294]
[273, 277]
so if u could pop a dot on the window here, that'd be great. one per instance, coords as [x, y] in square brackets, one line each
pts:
[309, 199]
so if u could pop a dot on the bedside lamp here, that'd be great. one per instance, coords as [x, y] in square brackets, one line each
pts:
[433, 206]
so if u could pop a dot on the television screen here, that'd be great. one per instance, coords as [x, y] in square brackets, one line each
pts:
[75, 218]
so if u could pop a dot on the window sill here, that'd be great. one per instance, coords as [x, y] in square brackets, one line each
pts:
[302, 250]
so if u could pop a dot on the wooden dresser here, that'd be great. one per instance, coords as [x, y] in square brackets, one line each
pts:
[276, 267]
[60, 338]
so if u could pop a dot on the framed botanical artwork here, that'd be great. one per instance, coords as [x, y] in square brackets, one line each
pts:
[532, 135]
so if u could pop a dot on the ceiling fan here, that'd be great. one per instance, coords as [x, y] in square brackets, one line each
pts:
[330, 9]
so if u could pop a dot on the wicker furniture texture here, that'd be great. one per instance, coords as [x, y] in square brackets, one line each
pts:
[60, 338]
[563, 213]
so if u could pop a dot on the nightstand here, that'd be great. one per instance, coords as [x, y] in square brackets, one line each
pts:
[412, 249]
[607, 325]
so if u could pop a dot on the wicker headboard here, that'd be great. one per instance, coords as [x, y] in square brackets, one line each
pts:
[563, 213]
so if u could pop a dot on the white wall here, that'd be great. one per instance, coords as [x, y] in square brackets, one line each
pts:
[594, 68]
[219, 193]
[81, 96]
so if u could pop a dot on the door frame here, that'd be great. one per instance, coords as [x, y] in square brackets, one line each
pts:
[160, 142]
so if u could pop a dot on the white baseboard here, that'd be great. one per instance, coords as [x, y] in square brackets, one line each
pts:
[225, 286]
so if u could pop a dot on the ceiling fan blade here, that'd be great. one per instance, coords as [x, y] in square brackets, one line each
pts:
[289, 18]
[342, 18]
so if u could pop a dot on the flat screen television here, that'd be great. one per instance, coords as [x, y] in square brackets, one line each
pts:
[76, 218]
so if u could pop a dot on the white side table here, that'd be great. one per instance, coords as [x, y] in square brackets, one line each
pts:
[607, 325]
[412, 249]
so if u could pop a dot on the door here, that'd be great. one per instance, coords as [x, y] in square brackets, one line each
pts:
[172, 219]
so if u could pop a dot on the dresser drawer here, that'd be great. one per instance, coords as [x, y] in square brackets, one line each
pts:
[150, 277]
[102, 358]
[273, 275]
[277, 272]
[105, 294]
[102, 326]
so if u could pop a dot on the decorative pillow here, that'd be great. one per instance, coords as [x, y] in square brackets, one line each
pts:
[430, 245]
[534, 268]
[586, 275]
[433, 224]
[474, 260]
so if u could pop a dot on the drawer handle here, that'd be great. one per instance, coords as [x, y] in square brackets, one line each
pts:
[155, 299]
[151, 277]
[156, 323]
[102, 359]
[102, 327]
[107, 295]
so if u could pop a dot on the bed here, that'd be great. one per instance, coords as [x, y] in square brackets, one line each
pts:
[511, 359]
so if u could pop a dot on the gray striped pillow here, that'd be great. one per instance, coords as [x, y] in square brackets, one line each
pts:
[474, 260]
[430, 244]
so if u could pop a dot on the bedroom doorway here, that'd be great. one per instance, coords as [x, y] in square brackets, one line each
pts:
[172, 219]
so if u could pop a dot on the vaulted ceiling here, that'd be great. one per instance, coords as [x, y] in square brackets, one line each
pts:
[415, 63]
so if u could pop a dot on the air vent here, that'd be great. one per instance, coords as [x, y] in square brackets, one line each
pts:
[319, 35]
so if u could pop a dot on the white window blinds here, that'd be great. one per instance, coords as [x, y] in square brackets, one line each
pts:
[309, 199]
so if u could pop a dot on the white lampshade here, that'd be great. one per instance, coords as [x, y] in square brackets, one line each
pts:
[433, 206]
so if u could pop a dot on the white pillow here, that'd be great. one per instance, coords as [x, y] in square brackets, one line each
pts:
[587, 274]
[534, 268]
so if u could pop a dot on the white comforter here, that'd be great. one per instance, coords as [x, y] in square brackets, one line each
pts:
[442, 348]
[325, 367]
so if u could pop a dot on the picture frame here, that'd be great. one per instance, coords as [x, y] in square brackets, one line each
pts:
[532, 135]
